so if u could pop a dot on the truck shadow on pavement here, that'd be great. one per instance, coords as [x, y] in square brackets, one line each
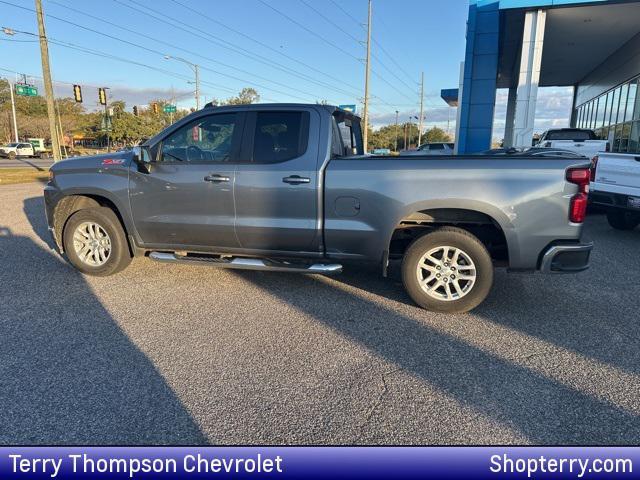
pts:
[68, 373]
[506, 386]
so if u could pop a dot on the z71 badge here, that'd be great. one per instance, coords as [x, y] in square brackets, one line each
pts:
[112, 161]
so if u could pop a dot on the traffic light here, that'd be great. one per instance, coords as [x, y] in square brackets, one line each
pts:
[155, 108]
[102, 96]
[135, 110]
[77, 93]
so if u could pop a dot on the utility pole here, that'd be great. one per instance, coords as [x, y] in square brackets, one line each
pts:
[405, 137]
[48, 86]
[421, 109]
[365, 115]
[197, 70]
[396, 131]
[13, 111]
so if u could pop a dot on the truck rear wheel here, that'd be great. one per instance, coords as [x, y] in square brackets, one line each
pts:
[11, 155]
[95, 243]
[448, 270]
[621, 220]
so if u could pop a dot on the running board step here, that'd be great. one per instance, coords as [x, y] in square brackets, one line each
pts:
[242, 263]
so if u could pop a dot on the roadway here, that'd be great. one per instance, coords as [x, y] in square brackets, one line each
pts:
[187, 355]
[37, 163]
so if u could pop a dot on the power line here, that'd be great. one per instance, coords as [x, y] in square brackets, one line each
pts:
[304, 27]
[331, 22]
[210, 38]
[258, 42]
[157, 52]
[382, 49]
[101, 54]
[317, 35]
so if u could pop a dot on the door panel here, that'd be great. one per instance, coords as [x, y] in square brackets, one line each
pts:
[186, 197]
[175, 205]
[276, 187]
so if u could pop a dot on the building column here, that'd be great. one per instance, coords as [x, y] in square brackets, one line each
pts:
[511, 116]
[529, 77]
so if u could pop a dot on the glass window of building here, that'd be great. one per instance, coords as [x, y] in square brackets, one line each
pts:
[631, 100]
[624, 93]
[600, 111]
[614, 106]
[607, 113]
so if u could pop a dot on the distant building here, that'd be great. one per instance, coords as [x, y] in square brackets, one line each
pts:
[592, 45]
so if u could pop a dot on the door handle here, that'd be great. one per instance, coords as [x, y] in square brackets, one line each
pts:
[216, 178]
[296, 179]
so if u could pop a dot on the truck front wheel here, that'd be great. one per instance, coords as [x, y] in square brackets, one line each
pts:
[448, 270]
[95, 243]
[11, 155]
[621, 220]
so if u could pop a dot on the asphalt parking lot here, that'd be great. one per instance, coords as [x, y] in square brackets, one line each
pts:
[189, 355]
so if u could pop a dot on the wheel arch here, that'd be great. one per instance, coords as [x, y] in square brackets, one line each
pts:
[489, 224]
[72, 203]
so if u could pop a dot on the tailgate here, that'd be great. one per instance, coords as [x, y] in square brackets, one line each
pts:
[620, 170]
[586, 147]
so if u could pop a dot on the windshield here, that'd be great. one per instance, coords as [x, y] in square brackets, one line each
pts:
[575, 135]
[13, 145]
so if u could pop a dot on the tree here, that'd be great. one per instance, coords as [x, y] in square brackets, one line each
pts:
[126, 128]
[247, 95]
[435, 135]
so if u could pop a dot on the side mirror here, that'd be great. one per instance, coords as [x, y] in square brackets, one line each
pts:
[142, 157]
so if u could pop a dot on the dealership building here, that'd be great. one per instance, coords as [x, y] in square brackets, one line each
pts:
[520, 45]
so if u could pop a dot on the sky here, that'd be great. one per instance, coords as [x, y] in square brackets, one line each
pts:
[288, 50]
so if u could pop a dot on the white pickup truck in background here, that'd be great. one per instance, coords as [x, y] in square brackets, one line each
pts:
[615, 186]
[578, 140]
[34, 148]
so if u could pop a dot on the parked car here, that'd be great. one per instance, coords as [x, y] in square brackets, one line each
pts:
[615, 186]
[437, 148]
[278, 187]
[23, 150]
[582, 141]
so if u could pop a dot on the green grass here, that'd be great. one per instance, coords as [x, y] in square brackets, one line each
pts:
[11, 176]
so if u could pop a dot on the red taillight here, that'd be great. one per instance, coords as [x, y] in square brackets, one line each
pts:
[578, 205]
[594, 166]
[578, 208]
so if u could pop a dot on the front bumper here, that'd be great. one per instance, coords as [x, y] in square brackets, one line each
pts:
[566, 258]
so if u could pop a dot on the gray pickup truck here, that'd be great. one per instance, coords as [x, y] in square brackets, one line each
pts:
[287, 187]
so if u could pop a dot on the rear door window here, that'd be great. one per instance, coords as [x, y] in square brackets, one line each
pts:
[280, 136]
[575, 135]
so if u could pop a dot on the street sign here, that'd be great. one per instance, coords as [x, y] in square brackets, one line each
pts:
[26, 90]
[348, 108]
[169, 109]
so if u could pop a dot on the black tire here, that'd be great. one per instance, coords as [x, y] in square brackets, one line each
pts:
[472, 248]
[622, 220]
[11, 155]
[119, 256]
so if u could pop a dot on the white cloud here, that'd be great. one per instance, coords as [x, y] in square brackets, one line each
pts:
[553, 109]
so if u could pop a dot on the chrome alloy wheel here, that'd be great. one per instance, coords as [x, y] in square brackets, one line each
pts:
[446, 273]
[92, 244]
